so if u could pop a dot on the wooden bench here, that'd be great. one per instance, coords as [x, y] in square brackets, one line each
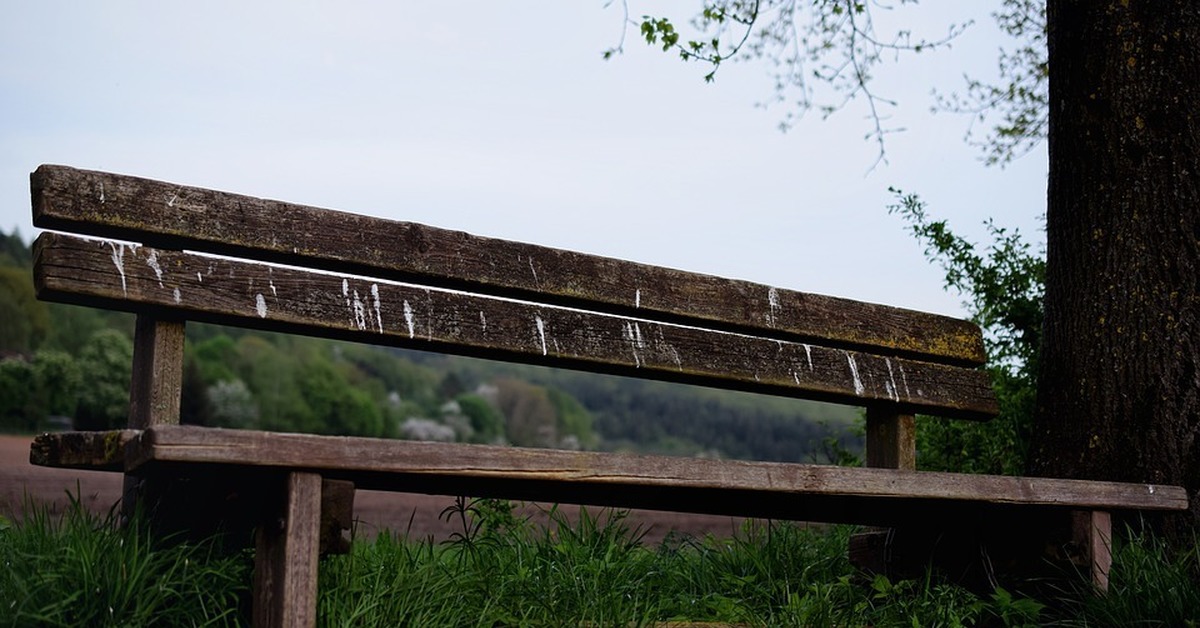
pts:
[172, 253]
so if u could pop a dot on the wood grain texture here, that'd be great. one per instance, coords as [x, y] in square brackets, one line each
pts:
[157, 378]
[173, 216]
[779, 490]
[1092, 532]
[187, 285]
[891, 440]
[285, 558]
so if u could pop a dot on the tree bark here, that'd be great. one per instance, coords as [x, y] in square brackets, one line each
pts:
[1119, 386]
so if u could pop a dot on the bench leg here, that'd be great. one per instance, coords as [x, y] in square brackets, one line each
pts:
[1092, 533]
[285, 558]
[890, 444]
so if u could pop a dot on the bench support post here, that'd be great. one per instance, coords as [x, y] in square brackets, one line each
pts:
[1091, 531]
[890, 444]
[891, 440]
[157, 385]
[285, 558]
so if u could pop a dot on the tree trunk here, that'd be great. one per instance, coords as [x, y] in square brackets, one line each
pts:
[1119, 387]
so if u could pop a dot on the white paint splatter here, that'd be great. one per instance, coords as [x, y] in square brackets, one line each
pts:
[152, 262]
[178, 297]
[541, 327]
[631, 336]
[408, 319]
[637, 331]
[904, 378]
[377, 303]
[858, 385]
[773, 301]
[118, 255]
[808, 353]
[534, 271]
[893, 390]
[199, 277]
[483, 321]
[346, 290]
[637, 298]
[174, 197]
[1151, 487]
[796, 376]
[102, 193]
[260, 304]
[360, 312]
[675, 355]
[274, 292]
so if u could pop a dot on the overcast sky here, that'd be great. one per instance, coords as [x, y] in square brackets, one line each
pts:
[502, 119]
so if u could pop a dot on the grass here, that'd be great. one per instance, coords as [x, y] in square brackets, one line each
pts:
[501, 570]
[81, 570]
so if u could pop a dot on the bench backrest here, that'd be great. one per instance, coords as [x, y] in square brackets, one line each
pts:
[225, 258]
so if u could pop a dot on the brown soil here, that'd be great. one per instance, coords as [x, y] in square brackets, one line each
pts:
[417, 516]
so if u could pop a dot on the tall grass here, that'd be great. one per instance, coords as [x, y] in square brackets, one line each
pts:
[81, 570]
[588, 569]
[593, 570]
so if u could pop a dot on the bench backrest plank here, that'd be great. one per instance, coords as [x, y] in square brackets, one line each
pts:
[251, 294]
[171, 216]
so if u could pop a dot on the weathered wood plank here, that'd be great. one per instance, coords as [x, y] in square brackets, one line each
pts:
[807, 492]
[188, 285]
[285, 558]
[182, 217]
[96, 451]
[157, 378]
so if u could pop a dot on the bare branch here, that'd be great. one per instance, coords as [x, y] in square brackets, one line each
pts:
[834, 42]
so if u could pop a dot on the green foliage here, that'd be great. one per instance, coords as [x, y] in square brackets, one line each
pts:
[26, 320]
[230, 404]
[588, 568]
[1004, 289]
[336, 407]
[583, 568]
[214, 358]
[13, 251]
[106, 361]
[1152, 583]
[57, 380]
[72, 325]
[16, 402]
[82, 570]
[659, 417]
[530, 417]
[486, 420]
[574, 421]
[32, 390]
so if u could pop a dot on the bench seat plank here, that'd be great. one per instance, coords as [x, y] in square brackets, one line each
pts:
[820, 492]
[173, 216]
[92, 451]
[222, 290]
